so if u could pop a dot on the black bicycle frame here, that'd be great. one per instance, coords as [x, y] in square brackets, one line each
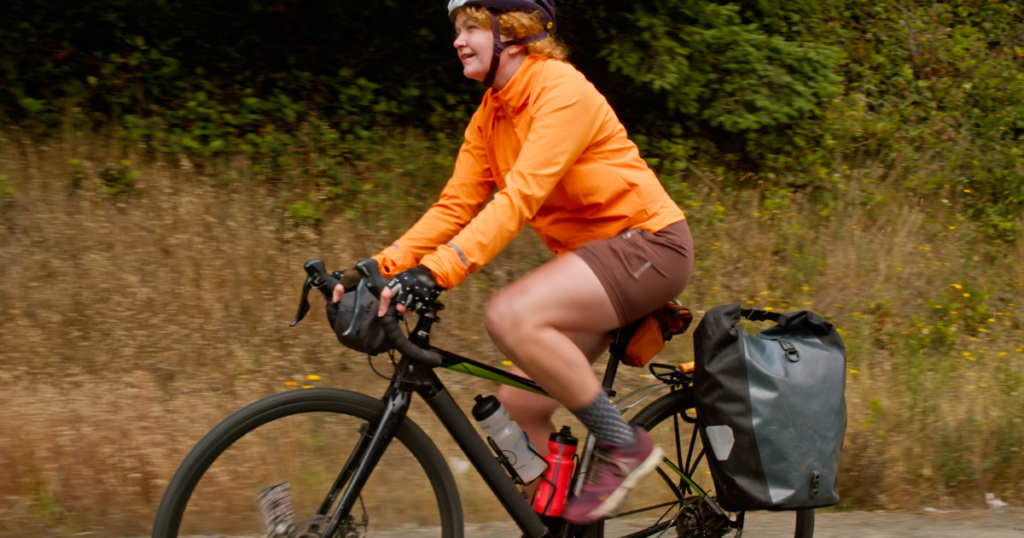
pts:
[411, 376]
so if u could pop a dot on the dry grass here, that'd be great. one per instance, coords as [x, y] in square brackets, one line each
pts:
[131, 326]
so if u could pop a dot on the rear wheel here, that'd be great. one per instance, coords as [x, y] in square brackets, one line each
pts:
[303, 439]
[662, 504]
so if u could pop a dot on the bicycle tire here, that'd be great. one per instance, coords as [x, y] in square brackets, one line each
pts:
[320, 400]
[664, 408]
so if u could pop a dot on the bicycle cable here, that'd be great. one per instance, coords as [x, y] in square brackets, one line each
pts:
[369, 359]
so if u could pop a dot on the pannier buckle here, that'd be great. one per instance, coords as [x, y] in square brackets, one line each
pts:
[790, 350]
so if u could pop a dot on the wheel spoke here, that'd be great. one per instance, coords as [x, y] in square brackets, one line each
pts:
[679, 447]
[696, 463]
[664, 476]
[651, 531]
[646, 509]
[689, 454]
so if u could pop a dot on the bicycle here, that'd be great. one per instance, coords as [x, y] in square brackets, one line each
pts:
[681, 504]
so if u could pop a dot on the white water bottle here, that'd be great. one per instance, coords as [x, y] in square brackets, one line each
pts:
[510, 438]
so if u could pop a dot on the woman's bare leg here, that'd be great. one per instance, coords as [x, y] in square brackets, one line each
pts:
[530, 321]
[532, 411]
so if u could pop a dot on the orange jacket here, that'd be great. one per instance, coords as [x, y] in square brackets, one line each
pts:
[560, 160]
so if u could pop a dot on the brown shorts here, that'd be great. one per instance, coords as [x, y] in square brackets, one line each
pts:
[640, 270]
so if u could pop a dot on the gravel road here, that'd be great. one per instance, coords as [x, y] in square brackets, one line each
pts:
[1006, 523]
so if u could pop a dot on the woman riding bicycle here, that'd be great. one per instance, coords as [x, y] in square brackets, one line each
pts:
[559, 159]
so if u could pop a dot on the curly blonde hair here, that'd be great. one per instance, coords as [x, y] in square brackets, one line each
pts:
[517, 24]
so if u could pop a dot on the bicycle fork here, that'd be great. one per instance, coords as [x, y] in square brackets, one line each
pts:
[364, 458]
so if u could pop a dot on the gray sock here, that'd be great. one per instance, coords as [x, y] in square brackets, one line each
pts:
[605, 422]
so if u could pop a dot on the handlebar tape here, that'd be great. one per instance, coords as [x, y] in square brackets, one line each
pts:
[394, 333]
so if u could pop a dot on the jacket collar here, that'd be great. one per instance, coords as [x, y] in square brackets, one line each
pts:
[518, 89]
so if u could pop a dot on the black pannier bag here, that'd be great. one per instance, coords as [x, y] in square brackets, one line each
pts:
[771, 408]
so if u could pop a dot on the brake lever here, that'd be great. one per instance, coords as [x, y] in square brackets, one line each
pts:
[370, 280]
[316, 277]
[304, 302]
[369, 270]
[357, 310]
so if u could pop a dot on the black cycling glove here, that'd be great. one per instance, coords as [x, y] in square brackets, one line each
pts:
[415, 288]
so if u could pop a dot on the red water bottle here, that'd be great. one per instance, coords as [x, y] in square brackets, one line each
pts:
[549, 500]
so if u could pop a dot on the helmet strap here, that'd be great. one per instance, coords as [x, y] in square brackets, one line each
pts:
[500, 46]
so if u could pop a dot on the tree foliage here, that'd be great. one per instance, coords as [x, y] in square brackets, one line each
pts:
[784, 90]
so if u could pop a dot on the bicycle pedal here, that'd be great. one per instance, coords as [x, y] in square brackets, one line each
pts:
[276, 509]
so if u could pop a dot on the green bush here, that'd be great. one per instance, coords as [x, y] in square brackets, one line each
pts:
[763, 92]
[118, 179]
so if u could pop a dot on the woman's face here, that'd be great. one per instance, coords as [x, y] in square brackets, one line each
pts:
[475, 45]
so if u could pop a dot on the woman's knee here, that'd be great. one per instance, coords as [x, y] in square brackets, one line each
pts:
[499, 318]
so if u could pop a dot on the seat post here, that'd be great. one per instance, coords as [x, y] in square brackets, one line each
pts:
[618, 350]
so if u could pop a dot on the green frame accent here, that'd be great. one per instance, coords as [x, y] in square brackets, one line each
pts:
[679, 471]
[489, 375]
[462, 365]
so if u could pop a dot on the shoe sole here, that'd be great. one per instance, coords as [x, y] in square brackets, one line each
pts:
[617, 497]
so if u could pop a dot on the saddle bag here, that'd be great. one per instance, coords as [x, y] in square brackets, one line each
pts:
[654, 330]
[771, 408]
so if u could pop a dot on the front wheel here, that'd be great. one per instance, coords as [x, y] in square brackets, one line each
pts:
[661, 505]
[302, 439]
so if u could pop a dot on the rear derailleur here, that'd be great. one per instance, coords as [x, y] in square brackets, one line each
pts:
[697, 519]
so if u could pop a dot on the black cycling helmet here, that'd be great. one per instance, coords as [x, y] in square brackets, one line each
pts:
[547, 13]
